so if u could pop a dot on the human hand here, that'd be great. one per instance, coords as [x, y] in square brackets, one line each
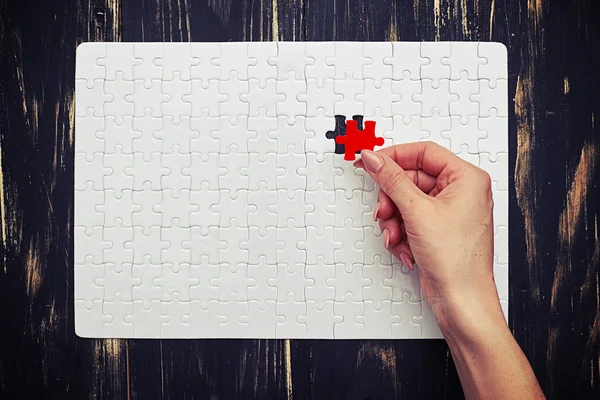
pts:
[436, 210]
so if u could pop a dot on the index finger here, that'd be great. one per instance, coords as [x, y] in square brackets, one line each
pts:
[427, 156]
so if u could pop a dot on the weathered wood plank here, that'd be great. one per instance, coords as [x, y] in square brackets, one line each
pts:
[554, 79]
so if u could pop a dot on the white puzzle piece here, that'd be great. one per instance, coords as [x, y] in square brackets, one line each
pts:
[212, 200]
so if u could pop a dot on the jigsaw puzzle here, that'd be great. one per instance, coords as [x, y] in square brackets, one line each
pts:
[214, 196]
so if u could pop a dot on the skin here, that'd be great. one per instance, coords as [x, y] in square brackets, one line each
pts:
[435, 210]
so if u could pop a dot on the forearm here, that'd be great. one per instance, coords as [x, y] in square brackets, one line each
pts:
[489, 361]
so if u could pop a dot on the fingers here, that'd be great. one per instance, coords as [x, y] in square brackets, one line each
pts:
[394, 233]
[392, 179]
[390, 219]
[395, 240]
[385, 207]
[434, 192]
[395, 229]
[427, 156]
[403, 253]
[422, 179]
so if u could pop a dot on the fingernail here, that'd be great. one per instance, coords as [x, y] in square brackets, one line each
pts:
[405, 258]
[376, 212]
[386, 238]
[373, 162]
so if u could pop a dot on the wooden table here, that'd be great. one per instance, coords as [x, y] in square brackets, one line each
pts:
[554, 84]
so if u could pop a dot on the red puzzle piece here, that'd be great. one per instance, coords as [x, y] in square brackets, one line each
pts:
[357, 140]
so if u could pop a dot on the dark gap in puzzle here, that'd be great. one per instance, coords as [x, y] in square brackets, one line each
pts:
[340, 130]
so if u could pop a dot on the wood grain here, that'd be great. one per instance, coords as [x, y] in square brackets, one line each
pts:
[554, 79]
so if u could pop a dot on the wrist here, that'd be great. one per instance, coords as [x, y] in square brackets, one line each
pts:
[485, 351]
[471, 317]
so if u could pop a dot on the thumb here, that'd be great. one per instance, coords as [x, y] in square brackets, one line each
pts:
[392, 179]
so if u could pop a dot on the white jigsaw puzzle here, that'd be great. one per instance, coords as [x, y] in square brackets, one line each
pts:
[212, 200]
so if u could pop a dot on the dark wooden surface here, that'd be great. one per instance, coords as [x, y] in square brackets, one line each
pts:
[554, 83]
